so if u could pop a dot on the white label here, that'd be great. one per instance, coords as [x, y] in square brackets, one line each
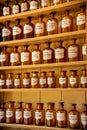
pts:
[16, 30]
[8, 82]
[49, 115]
[60, 116]
[18, 115]
[33, 81]
[25, 81]
[47, 54]
[15, 9]
[38, 115]
[49, 80]
[42, 81]
[2, 58]
[62, 80]
[83, 80]
[84, 119]
[44, 3]
[23, 7]
[59, 53]
[5, 32]
[39, 28]
[1, 114]
[33, 5]
[6, 11]
[27, 29]
[14, 57]
[27, 114]
[9, 114]
[51, 25]
[65, 23]
[72, 80]
[84, 50]
[2, 82]
[72, 52]
[35, 56]
[24, 56]
[16, 82]
[81, 19]
[56, 1]
[73, 119]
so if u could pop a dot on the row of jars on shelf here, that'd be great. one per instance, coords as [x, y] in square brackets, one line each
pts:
[51, 117]
[26, 5]
[44, 80]
[39, 56]
[41, 28]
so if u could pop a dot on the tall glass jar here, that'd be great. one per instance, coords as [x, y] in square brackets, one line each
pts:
[50, 114]
[24, 6]
[6, 8]
[2, 112]
[17, 81]
[28, 113]
[26, 80]
[61, 116]
[39, 114]
[51, 79]
[9, 80]
[2, 81]
[45, 3]
[34, 80]
[15, 7]
[84, 50]
[56, 2]
[43, 80]
[34, 4]
[83, 79]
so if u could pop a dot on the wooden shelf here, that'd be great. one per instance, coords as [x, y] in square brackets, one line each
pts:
[45, 11]
[35, 66]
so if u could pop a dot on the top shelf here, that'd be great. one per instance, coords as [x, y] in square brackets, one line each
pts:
[43, 11]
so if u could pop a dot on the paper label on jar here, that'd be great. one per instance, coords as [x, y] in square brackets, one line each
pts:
[83, 80]
[59, 53]
[47, 54]
[24, 56]
[65, 23]
[84, 119]
[39, 28]
[27, 114]
[35, 56]
[84, 50]
[81, 19]
[72, 80]
[44, 3]
[56, 1]
[2, 58]
[60, 116]
[62, 80]
[33, 81]
[5, 32]
[14, 57]
[2, 82]
[16, 30]
[25, 81]
[9, 114]
[72, 52]
[16, 82]
[1, 114]
[8, 82]
[42, 81]
[23, 7]
[33, 5]
[73, 119]
[49, 115]
[18, 115]
[15, 9]
[6, 11]
[27, 29]
[51, 25]
[50, 80]
[38, 115]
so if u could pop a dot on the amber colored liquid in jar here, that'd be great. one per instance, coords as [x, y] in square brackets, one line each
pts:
[84, 51]
[15, 7]
[39, 114]
[26, 80]
[34, 80]
[17, 81]
[34, 4]
[51, 79]
[9, 81]
[45, 3]
[2, 113]
[24, 6]
[63, 80]
[43, 80]
[56, 2]
[6, 9]
[83, 79]
[2, 81]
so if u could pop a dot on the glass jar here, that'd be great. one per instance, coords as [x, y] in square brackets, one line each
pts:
[73, 79]
[73, 52]
[60, 53]
[51, 79]
[83, 79]
[26, 80]
[6, 8]
[50, 114]
[39, 114]
[81, 18]
[28, 114]
[25, 56]
[73, 118]
[34, 4]
[10, 112]
[19, 114]
[2, 81]
[17, 81]
[40, 27]
[61, 116]
[15, 7]
[67, 22]
[43, 80]
[7, 32]
[63, 80]
[48, 54]
[56, 2]
[9, 81]
[17, 30]
[15, 57]
[24, 6]
[28, 28]
[2, 112]
[34, 80]
[84, 50]
[52, 24]
[45, 3]
[83, 116]
[36, 55]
